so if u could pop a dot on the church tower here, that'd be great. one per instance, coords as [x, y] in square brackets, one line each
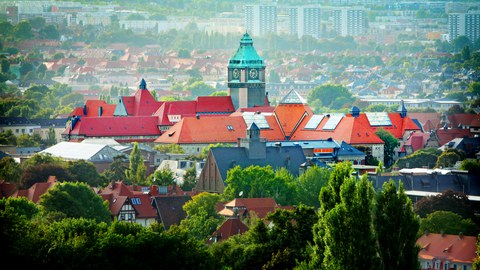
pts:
[246, 76]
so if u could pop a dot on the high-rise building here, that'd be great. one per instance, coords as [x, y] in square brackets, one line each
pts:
[261, 19]
[464, 24]
[349, 21]
[246, 76]
[305, 21]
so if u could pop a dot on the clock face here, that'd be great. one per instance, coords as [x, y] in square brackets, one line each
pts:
[236, 73]
[253, 73]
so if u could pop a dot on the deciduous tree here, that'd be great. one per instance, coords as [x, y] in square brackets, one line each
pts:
[75, 200]
[396, 226]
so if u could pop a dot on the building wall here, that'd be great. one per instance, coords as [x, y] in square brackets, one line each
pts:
[261, 19]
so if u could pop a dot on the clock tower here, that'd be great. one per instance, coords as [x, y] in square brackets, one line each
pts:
[246, 76]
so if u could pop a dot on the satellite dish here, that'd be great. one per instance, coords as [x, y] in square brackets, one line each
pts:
[240, 194]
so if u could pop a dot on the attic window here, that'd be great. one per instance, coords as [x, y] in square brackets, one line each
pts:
[136, 201]
[229, 127]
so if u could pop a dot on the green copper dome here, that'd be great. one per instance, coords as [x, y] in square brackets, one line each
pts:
[246, 55]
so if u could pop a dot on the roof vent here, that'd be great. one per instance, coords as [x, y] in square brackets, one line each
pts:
[355, 111]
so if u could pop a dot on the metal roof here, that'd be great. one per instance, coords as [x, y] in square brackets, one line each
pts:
[246, 55]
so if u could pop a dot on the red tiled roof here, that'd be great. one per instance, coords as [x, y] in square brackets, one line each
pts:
[261, 206]
[230, 227]
[144, 103]
[7, 189]
[115, 126]
[36, 190]
[429, 121]
[449, 247]
[461, 119]
[205, 130]
[214, 104]
[289, 116]
[446, 135]
[417, 140]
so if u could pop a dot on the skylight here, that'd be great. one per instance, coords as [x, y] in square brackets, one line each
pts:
[378, 119]
[314, 121]
[258, 118]
[136, 201]
[333, 121]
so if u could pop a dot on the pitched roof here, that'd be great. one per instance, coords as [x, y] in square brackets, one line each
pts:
[446, 135]
[118, 193]
[229, 227]
[85, 151]
[170, 209]
[115, 126]
[289, 157]
[7, 189]
[214, 104]
[34, 192]
[290, 115]
[454, 248]
[221, 129]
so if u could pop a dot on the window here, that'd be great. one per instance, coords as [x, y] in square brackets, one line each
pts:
[437, 265]
[136, 201]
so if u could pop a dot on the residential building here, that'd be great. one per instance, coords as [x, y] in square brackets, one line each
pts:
[349, 21]
[18, 125]
[261, 19]
[230, 227]
[447, 251]
[305, 21]
[34, 192]
[464, 24]
[129, 205]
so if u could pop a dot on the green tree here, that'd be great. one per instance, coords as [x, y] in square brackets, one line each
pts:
[49, 32]
[5, 64]
[202, 217]
[423, 157]
[391, 143]
[75, 200]
[200, 88]
[449, 223]
[329, 198]
[23, 30]
[396, 226]
[41, 173]
[10, 170]
[8, 138]
[116, 171]
[189, 179]
[85, 172]
[447, 159]
[470, 165]
[163, 177]
[309, 185]
[448, 200]
[327, 94]
[27, 140]
[136, 171]
[170, 148]
[41, 158]
[345, 222]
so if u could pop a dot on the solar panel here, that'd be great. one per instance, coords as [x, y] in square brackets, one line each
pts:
[378, 119]
[333, 121]
[259, 119]
[314, 121]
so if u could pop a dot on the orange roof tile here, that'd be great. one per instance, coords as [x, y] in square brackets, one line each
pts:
[289, 116]
[448, 247]
[205, 130]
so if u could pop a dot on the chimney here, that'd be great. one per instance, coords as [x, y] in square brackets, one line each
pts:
[460, 235]
[113, 184]
[154, 190]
